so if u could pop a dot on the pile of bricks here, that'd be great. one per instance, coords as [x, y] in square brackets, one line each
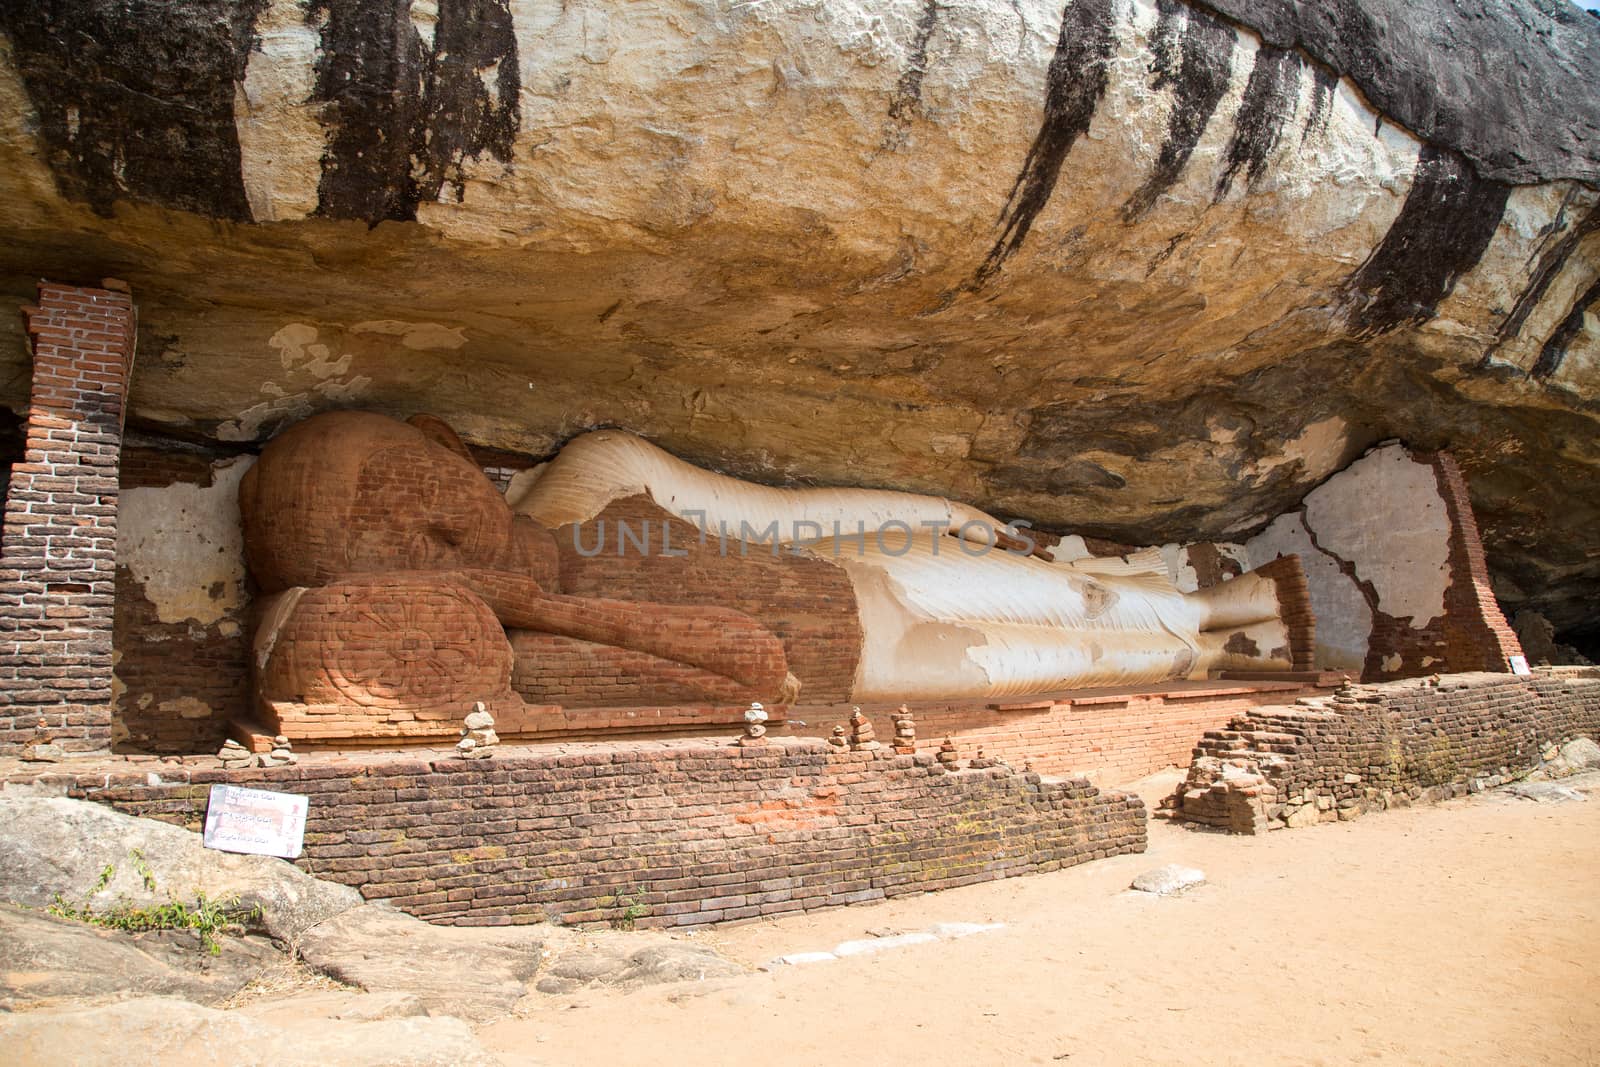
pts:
[1371, 747]
[690, 832]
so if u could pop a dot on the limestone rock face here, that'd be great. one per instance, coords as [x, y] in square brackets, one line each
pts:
[1132, 268]
[45, 960]
[461, 971]
[52, 845]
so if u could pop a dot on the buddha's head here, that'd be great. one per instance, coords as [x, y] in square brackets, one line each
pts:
[350, 492]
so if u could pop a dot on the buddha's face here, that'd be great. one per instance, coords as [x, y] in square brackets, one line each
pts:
[416, 505]
[354, 493]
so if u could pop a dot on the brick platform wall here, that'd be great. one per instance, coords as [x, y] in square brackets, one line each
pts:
[1369, 747]
[58, 553]
[1109, 738]
[667, 835]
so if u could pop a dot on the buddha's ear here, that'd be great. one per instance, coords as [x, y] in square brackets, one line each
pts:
[439, 432]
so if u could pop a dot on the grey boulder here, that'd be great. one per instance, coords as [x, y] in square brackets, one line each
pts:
[471, 972]
[52, 845]
[1545, 792]
[1581, 754]
[45, 960]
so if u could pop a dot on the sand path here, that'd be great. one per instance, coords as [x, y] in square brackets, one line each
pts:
[1458, 934]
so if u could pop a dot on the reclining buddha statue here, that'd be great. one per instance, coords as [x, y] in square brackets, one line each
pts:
[401, 587]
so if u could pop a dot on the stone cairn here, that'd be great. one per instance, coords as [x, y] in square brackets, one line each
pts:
[840, 738]
[755, 725]
[281, 755]
[234, 756]
[948, 758]
[862, 738]
[42, 749]
[981, 762]
[478, 739]
[905, 732]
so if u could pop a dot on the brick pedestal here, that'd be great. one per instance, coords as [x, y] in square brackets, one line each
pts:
[58, 553]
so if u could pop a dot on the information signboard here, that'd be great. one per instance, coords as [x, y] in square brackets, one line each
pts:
[256, 821]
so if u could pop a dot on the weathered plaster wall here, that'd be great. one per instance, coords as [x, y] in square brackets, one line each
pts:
[1386, 561]
[183, 598]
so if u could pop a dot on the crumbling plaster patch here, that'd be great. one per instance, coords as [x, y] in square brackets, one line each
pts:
[1373, 538]
[1181, 568]
[1344, 620]
[1384, 515]
[184, 546]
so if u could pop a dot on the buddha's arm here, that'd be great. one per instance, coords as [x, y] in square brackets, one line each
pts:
[725, 642]
[597, 468]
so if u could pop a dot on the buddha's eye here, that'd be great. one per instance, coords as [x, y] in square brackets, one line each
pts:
[426, 549]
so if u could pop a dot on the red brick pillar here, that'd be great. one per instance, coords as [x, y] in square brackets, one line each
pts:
[1478, 638]
[58, 554]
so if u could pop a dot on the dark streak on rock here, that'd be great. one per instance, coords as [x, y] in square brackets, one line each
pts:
[1074, 85]
[135, 100]
[404, 117]
[1197, 66]
[462, 118]
[369, 79]
[907, 96]
[1326, 80]
[1551, 260]
[1555, 349]
[1445, 224]
[1269, 101]
[1164, 255]
[1508, 83]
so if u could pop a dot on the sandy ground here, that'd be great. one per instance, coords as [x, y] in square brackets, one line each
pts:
[1458, 934]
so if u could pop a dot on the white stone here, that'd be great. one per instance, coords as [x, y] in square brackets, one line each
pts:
[1169, 880]
[870, 945]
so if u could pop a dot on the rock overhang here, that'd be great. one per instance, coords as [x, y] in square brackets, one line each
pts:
[758, 238]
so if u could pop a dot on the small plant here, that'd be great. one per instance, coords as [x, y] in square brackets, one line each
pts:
[146, 875]
[206, 917]
[632, 912]
[628, 910]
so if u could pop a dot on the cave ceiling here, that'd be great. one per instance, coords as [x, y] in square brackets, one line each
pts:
[1144, 270]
